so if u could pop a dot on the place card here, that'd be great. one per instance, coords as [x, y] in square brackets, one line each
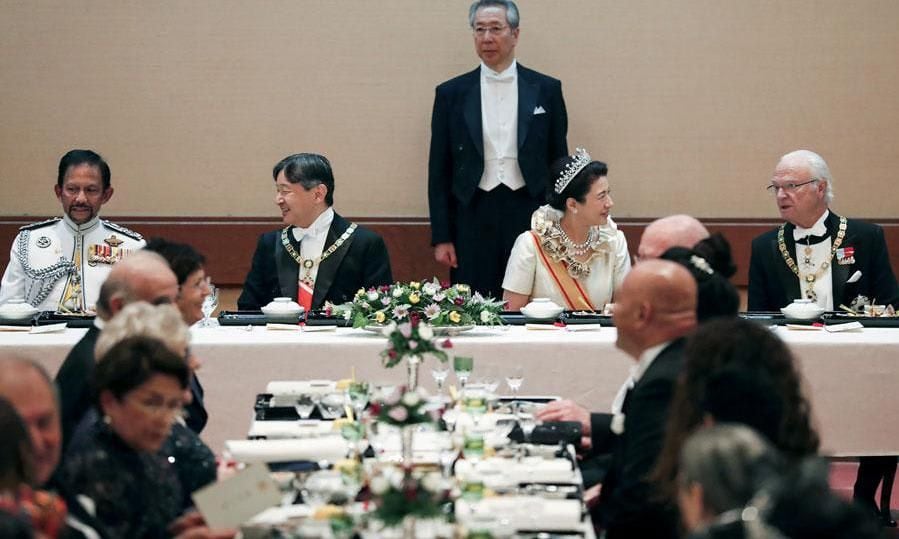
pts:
[230, 503]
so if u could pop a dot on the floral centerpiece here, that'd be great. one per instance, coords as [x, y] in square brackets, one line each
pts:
[440, 305]
[401, 494]
[404, 409]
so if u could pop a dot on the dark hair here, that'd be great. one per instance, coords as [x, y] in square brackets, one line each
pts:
[308, 170]
[16, 466]
[715, 296]
[73, 158]
[182, 258]
[579, 186]
[804, 507]
[732, 355]
[716, 249]
[133, 361]
[512, 16]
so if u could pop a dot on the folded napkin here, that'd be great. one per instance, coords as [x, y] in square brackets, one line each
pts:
[300, 387]
[330, 448]
[514, 471]
[290, 429]
[524, 512]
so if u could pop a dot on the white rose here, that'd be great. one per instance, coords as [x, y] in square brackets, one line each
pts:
[411, 399]
[425, 332]
[389, 328]
[432, 482]
[372, 295]
[379, 485]
[397, 292]
[485, 316]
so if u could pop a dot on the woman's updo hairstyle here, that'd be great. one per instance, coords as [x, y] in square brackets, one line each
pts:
[580, 185]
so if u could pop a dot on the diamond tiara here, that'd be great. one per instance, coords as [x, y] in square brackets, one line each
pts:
[581, 159]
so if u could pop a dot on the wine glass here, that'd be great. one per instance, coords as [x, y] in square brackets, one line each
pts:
[210, 302]
[514, 379]
[358, 394]
[463, 366]
[331, 405]
[304, 406]
[439, 372]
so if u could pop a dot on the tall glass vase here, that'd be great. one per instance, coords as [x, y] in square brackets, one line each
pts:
[407, 434]
[412, 364]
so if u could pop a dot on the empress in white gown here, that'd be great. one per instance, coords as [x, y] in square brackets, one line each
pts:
[526, 274]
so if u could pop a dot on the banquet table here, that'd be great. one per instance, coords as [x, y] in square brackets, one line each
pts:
[850, 377]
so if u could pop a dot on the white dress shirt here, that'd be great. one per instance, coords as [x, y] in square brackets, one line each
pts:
[312, 241]
[637, 371]
[499, 121]
[820, 252]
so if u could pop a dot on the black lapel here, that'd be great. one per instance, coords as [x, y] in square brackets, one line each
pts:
[839, 274]
[472, 110]
[528, 93]
[288, 268]
[327, 270]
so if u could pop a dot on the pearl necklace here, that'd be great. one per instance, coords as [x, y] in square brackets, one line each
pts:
[579, 249]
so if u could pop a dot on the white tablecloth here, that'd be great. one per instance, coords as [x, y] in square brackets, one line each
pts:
[852, 378]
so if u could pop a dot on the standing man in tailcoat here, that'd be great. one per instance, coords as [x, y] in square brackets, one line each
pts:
[495, 131]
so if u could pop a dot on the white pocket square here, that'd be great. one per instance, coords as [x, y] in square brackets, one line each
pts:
[539, 110]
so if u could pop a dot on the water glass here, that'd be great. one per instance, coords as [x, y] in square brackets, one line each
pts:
[514, 379]
[439, 372]
[358, 394]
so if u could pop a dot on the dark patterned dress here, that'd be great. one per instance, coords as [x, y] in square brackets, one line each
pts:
[136, 494]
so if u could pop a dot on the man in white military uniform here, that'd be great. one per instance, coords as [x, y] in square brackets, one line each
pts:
[59, 264]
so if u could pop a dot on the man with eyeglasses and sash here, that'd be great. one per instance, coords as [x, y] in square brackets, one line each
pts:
[494, 133]
[59, 264]
[829, 259]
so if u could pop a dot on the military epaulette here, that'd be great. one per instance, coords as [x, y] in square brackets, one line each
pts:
[122, 230]
[41, 224]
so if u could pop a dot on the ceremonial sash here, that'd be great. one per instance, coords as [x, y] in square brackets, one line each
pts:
[575, 297]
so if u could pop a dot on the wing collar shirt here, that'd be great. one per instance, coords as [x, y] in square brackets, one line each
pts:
[499, 121]
[312, 240]
[810, 263]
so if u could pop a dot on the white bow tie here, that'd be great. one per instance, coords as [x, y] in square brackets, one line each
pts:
[496, 77]
[300, 233]
[817, 230]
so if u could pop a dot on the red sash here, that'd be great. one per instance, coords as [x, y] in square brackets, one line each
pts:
[575, 297]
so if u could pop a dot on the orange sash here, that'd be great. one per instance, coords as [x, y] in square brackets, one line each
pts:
[575, 297]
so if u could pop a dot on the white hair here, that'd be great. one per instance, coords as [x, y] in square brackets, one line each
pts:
[815, 165]
[162, 322]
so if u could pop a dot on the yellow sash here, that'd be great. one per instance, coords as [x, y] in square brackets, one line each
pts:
[575, 297]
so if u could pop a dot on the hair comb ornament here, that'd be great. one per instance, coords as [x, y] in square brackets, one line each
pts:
[581, 159]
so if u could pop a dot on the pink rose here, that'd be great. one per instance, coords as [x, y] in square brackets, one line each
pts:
[398, 414]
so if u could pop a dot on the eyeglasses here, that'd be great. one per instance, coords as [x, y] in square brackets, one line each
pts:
[158, 407]
[789, 187]
[482, 31]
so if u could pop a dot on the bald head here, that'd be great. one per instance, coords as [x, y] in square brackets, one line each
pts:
[655, 303]
[28, 388]
[672, 231]
[141, 276]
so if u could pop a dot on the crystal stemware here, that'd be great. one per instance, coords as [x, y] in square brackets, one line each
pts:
[210, 303]
[304, 406]
[463, 366]
[358, 394]
[514, 379]
[439, 372]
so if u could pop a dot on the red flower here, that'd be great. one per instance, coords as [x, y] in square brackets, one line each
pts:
[446, 343]
[391, 354]
[444, 284]
[459, 300]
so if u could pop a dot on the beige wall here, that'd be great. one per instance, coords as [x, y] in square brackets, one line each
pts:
[193, 101]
